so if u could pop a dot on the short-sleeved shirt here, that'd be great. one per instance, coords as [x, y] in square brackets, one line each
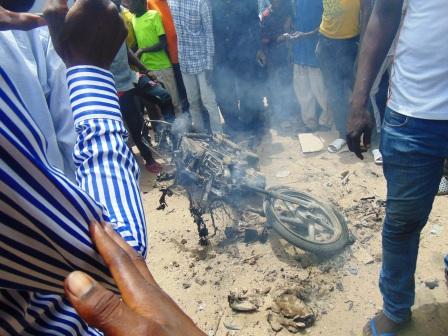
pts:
[308, 18]
[123, 75]
[419, 76]
[148, 28]
[171, 37]
[341, 19]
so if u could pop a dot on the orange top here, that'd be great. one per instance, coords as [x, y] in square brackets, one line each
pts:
[171, 38]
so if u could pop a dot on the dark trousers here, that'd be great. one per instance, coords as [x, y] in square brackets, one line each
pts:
[337, 61]
[156, 94]
[131, 109]
[239, 95]
[281, 96]
[181, 87]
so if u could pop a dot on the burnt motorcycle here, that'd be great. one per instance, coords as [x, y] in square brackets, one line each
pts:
[217, 172]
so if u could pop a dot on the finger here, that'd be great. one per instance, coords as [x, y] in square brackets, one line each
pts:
[136, 258]
[367, 137]
[97, 306]
[128, 278]
[355, 145]
[19, 21]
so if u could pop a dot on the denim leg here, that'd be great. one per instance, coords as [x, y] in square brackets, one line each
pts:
[413, 151]
[158, 95]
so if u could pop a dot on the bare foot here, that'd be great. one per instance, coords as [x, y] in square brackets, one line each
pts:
[383, 325]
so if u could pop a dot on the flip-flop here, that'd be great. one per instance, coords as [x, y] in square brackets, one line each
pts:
[336, 145]
[375, 332]
[377, 157]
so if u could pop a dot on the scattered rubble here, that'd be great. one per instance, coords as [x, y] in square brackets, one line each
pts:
[290, 312]
[242, 301]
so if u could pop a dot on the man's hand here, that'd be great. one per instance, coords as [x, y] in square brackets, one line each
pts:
[143, 309]
[359, 126]
[261, 58]
[90, 33]
[19, 21]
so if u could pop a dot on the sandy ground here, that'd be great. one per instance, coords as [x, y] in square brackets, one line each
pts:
[342, 291]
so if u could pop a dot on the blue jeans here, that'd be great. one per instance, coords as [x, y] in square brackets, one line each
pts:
[413, 153]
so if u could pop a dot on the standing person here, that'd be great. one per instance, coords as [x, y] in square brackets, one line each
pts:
[308, 81]
[171, 38]
[414, 138]
[131, 107]
[238, 62]
[276, 22]
[152, 44]
[193, 21]
[336, 50]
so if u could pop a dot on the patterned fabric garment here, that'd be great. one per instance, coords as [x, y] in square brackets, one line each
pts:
[44, 217]
[194, 27]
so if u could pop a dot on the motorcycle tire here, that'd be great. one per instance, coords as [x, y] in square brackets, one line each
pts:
[295, 237]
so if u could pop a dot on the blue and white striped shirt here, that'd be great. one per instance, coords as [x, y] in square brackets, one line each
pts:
[44, 217]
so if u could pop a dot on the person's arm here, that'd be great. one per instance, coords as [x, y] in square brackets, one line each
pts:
[380, 33]
[366, 12]
[161, 45]
[135, 61]
[44, 217]
[207, 25]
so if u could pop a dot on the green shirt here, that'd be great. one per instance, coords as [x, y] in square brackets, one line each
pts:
[148, 28]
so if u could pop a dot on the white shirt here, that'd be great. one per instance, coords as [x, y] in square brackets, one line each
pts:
[39, 74]
[419, 77]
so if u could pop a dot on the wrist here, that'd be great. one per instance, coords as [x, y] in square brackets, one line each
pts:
[92, 94]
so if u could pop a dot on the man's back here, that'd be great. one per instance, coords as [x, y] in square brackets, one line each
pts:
[419, 79]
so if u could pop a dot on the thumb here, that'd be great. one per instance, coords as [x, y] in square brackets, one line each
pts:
[99, 307]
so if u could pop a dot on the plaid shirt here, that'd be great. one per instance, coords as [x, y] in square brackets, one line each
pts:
[194, 28]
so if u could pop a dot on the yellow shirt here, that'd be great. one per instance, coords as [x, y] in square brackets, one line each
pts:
[340, 19]
[127, 18]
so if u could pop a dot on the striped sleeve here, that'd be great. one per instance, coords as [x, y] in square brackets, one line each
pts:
[43, 216]
[106, 168]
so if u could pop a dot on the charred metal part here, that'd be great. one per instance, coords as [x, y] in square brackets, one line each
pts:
[197, 214]
[162, 201]
[163, 177]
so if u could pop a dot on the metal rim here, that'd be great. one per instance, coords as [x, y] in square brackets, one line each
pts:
[312, 221]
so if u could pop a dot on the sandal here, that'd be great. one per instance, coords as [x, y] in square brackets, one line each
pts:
[336, 145]
[375, 332]
[443, 187]
[377, 157]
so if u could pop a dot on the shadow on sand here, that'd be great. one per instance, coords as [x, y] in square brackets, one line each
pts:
[428, 320]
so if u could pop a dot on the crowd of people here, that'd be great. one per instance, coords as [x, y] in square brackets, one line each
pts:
[72, 228]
